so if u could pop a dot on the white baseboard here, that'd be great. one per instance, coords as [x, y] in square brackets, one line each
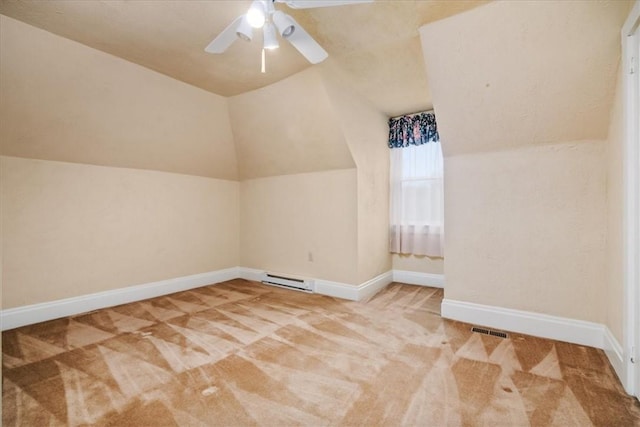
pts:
[324, 287]
[354, 293]
[250, 274]
[536, 324]
[336, 289]
[614, 352]
[525, 322]
[540, 325]
[26, 315]
[371, 287]
[416, 278]
[331, 288]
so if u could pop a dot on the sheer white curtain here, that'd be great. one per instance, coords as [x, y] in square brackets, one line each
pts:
[417, 200]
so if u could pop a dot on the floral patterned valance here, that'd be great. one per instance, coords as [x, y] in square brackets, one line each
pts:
[417, 129]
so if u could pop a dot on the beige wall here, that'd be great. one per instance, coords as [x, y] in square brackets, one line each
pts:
[288, 128]
[279, 134]
[65, 101]
[84, 215]
[284, 218]
[515, 73]
[523, 92]
[615, 259]
[71, 229]
[91, 216]
[366, 131]
[526, 229]
[420, 264]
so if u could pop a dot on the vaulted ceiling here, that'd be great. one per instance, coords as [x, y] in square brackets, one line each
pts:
[503, 75]
[375, 46]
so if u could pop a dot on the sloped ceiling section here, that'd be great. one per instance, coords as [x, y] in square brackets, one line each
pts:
[287, 128]
[392, 77]
[376, 43]
[366, 131]
[67, 102]
[165, 36]
[509, 74]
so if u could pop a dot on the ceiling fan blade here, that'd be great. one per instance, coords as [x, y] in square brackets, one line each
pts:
[225, 38]
[308, 4]
[306, 45]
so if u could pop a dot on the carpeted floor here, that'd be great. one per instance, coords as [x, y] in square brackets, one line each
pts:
[242, 353]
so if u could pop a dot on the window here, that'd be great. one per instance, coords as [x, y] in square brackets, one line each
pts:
[416, 211]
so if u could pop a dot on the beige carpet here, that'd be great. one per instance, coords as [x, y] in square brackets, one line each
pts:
[241, 353]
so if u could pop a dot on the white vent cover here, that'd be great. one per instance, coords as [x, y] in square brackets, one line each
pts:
[305, 285]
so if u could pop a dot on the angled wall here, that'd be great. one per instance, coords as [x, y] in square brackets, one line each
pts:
[287, 128]
[511, 74]
[299, 189]
[81, 210]
[67, 102]
[366, 131]
[314, 198]
[522, 92]
[114, 175]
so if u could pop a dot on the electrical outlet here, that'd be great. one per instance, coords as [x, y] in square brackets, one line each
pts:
[310, 256]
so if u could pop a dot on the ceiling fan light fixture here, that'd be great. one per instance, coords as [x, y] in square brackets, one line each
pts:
[244, 30]
[270, 38]
[263, 13]
[286, 26]
[256, 16]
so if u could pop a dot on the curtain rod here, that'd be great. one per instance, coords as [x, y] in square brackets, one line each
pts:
[412, 114]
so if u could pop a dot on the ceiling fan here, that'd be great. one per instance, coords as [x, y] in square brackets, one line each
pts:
[263, 14]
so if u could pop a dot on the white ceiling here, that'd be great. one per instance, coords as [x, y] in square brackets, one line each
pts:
[376, 46]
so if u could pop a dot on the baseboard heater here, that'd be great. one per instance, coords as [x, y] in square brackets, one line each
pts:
[304, 285]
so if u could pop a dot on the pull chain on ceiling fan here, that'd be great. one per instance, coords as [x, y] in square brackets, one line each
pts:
[262, 14]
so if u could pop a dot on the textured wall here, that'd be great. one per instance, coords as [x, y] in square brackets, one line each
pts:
[65, 101]
[71, 229]
[523, 92]
[284, 218]
[421, 264]
[279, 132]
[615, 260]
[526, 229]
[76, 228]
[366, 131]
[288, 128]
[516, 73]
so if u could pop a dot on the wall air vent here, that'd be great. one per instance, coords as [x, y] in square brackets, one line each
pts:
[485, 331]
[304, 285]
